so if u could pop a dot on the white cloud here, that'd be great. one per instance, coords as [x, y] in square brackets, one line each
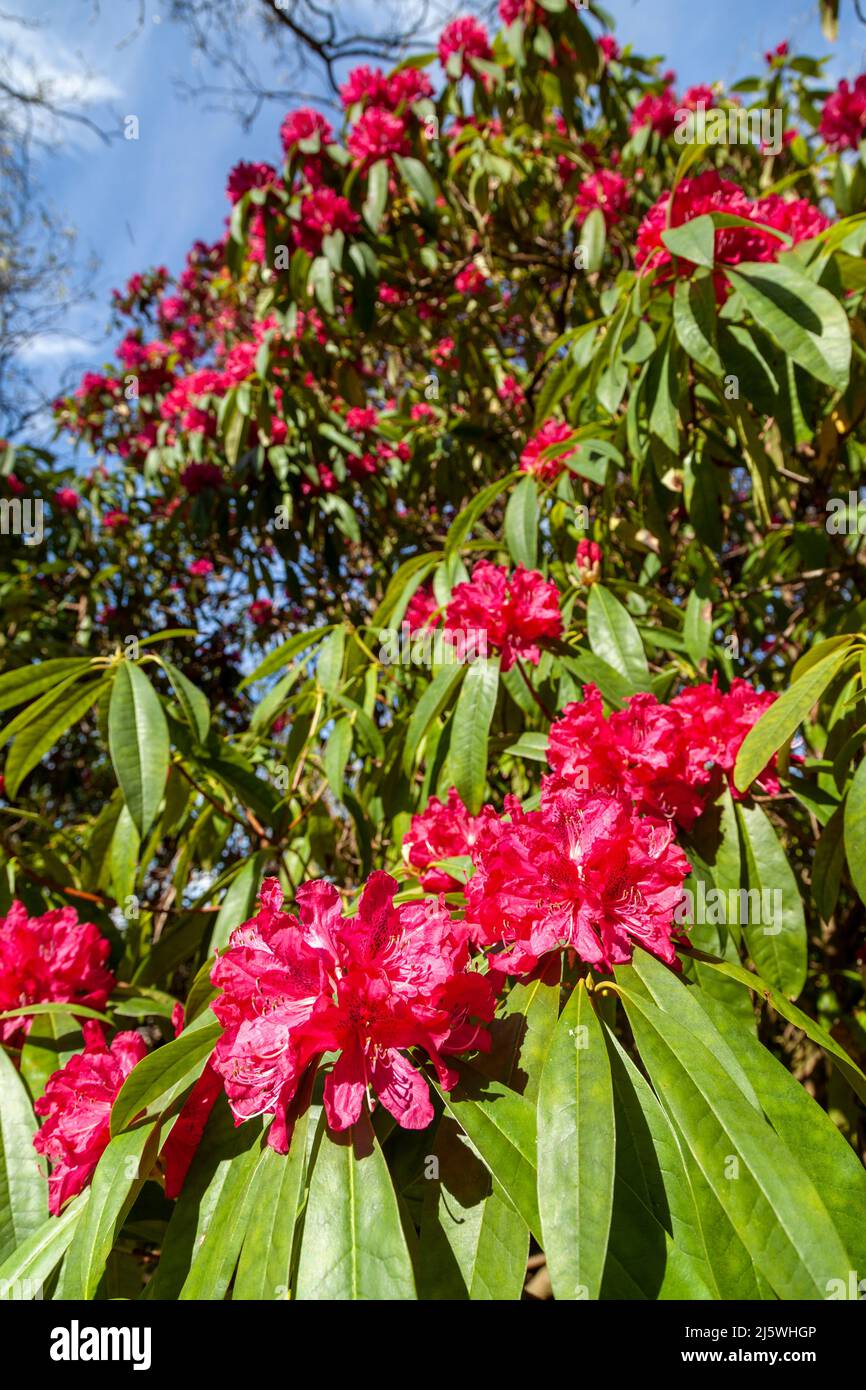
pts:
[52, 346]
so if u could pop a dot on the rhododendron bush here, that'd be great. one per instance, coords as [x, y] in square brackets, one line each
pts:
[433, 795]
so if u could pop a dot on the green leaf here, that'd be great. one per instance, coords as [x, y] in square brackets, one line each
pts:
[219, 1245]
[474, 1245]
[773, 1207]
[27, 1270]
[472, 719]
[433, 702]
[163, 1076]
[521, 524]
[530, 745]
[23, 1189]
[614, 637]
[458, 531]
[194, 704]
[501, 1126]
[119, 1176]
[808, 323]
[593, 239]
[265, 1265]
[695, 322]
[353, 1246]
[377, 195]
[777, 940]
[780, 721]
[138, 743]
[34, 740]
[693, 241]
[418, 178]
[329, 666]
[576, 1151]
[27, 682]
[336, 755]
[855, 829]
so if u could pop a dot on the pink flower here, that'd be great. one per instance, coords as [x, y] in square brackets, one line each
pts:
[261, 611]
[843, 118]
[115, 520]
[199, 568]
[609, 47]
[365, 84]
[423, 610]
[657, 110]
[511, 393]
[508, 613]
[589, 556]
[377, 134]
[323, 212]
[67, 499]
[361, 419]
[717, 724]
[780, 51]
[468, 39]
[49, 959]
[367, 987]
[444, 354]
[406, 86]
[77, 1109]
[471, 280]
[606, 190]
[305, 127]
[245, 176]
[15, 485]
[584, 872]
[442, 832]
[641, 753]
[200, 477]
[711, 193]
[186, 1132]
[552, 432]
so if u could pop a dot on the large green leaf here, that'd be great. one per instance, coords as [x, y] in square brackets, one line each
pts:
[435, 699]
[812, 1138]
[521, 524]
[27, 682]
[576, 1135]
[265, 1265]
[783, 717]
[807, 322]
[502, 1128]
[57, 714]
[474, 1245]
[855, 829]
[774, 1208]
[217, 1249]
[162, 1076]
[353, 1246]
[138, 743]
[472, 719]
[521, 1034]
[196, 710]
[614, 637]
[24, 1274]
[119, 1176]
[777, 941]
[23, 1189]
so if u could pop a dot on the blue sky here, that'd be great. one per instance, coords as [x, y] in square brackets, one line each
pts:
[138, 203]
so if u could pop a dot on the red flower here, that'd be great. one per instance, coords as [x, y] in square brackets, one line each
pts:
[470, 280]
[583, 872]
[199, 568]
[114, 520]
[467, 38]
[511, 614]
[67, 499]
[717, 724]
[323, 212]
[606, 190]
[186, 1132]
[710, 193]
[589, 557]
[77, 1108]
[361, 419]
[49, 959]
[200, 477]
[377, 134]
[442, 832]
[657, 110]
[367, 987]
[780, 51]
[261, 611]
[552, 432]
[843, 119]
[245, 176]
[609, 47]
[423, 610]
[305, 126]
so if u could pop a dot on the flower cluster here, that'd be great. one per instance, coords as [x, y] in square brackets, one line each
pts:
[52, 959]
[796, 219]
[503, 613]
[368, 987]
[443, 831]
[843, 119]
[552, 434]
